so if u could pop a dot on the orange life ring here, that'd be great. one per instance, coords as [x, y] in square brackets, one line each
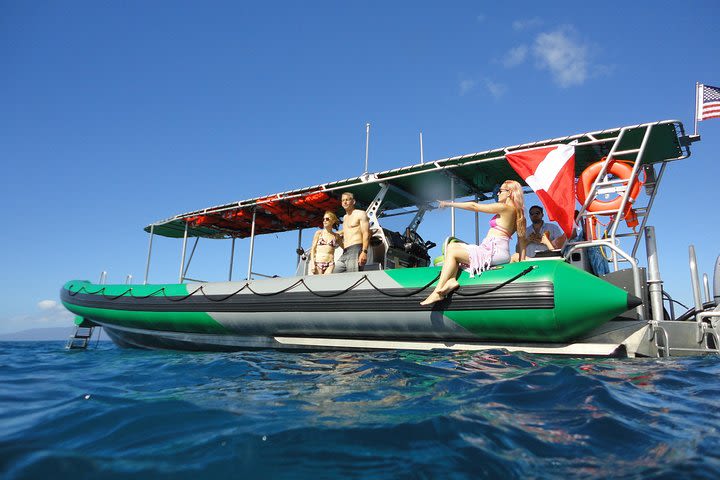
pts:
[616, 167]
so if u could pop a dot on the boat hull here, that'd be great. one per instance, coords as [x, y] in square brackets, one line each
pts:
[541, 301]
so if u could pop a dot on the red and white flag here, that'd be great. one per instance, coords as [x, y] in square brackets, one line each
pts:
[550, 172]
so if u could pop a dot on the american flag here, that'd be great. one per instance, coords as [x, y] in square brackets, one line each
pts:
[708, 102]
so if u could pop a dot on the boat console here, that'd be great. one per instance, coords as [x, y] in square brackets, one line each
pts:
[406, 250]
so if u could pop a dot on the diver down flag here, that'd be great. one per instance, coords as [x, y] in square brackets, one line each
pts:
[550, 172]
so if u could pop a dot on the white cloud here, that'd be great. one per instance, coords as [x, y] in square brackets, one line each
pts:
[515, 56]
[467, 85]
[526, 23]
[47, 304]
[51, 314]
[565, 57]
[497, 90]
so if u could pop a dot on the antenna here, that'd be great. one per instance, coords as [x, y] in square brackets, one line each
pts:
[422, 160]
[367, 145]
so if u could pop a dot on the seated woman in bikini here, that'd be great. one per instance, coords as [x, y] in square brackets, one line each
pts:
[494, 249]
[324, 244]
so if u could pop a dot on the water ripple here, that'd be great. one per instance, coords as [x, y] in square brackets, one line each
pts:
[109, 413]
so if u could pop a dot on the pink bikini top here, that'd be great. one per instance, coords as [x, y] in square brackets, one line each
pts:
[333, 243]
[499, 228]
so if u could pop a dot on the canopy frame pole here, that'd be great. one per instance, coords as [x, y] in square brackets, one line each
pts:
[452, 209]
[147, 264]
[252, 247]
[417, 219]
[374, 209]
[182, 257]
[192, 252]
[367, 146]
[477, 222]
[651, 201]
[232, 259]
[299, 246]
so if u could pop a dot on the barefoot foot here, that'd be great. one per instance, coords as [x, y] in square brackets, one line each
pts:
[450, 285]
[433, 298]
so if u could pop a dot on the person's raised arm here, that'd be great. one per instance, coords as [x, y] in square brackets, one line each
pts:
[476, 207]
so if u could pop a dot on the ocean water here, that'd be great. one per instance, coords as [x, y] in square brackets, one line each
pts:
[113, 413]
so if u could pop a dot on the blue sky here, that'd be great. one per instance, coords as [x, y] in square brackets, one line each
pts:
[118, 114]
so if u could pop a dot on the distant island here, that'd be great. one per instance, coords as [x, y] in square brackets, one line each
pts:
[39, 334]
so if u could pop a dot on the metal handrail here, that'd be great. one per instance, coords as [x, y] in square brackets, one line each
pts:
[633, 263]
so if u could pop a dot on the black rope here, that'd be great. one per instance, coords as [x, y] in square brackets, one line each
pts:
[500, 285]
[180, 299]
[275, 293]
[72, 294]
[225, 297]
[337, 294]
[143, 297]
[129, 290]
[404, 295]
[364, 278]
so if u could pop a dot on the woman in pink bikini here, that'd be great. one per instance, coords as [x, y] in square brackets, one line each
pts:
[495, 248]
[324, 244]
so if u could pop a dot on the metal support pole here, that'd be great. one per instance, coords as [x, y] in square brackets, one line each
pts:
[147, 265]
[189, 260]
[697, 104]
[252, 247]
[653, 270]
[422, 158]
[706, 285]
[477, 222]
[452, 209]
[695, 279]
[367, 145]
[716, 281]
[182, 258]
[232, 259]
[299, 246]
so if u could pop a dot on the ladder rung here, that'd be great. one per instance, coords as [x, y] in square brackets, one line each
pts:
[626, 152]
[612, 182]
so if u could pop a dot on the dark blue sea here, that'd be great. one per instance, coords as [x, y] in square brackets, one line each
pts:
[113, 413]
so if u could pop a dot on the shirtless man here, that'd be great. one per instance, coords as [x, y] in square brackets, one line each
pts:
[356, 236]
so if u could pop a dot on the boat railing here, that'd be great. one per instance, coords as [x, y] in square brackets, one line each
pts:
[635, 214]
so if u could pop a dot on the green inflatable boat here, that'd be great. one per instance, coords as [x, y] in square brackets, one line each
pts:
[544, 301]
[558, 305]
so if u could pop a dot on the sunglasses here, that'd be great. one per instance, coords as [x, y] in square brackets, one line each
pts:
[326, 219]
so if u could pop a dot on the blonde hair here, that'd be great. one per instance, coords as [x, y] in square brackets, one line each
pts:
[333, 218]
[518, 203]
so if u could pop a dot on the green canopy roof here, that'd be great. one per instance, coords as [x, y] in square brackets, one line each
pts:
[474, 174]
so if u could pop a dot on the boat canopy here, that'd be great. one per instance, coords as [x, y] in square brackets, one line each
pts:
[476, 174]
